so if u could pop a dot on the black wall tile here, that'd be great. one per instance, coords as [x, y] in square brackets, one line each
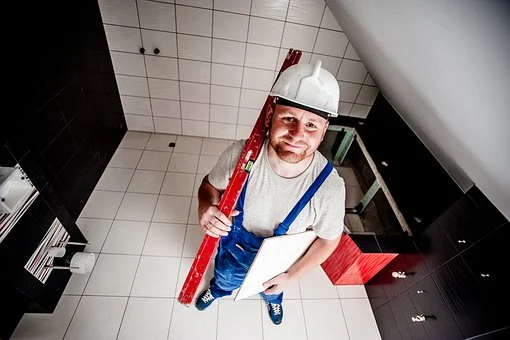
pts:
[81, 175]
[109, 87]
[6, 158]
[81, 127]
[45, 125]
[59, 68]
[18, 147]
[72, 101]
[31, 166]
[39, 90]
[60, 151]
[112, 102]
[91, 84]
[16, 303]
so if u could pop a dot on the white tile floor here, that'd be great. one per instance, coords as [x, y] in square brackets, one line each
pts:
[141, 223]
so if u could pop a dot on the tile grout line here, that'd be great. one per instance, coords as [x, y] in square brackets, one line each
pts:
[177, 62]
[242, 74]
[210, 75]
[145, 69]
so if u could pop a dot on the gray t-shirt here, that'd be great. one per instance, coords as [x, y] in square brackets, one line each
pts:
[269, 197]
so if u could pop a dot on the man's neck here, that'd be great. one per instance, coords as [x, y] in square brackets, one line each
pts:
[286, 169]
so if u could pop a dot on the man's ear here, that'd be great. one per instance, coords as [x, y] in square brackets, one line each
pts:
[269, 115]
[325, 129]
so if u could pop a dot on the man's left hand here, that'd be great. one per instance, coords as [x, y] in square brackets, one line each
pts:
[277, 284]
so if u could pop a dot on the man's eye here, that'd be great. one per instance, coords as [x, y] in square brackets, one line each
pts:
[288, 119]
[312, 126]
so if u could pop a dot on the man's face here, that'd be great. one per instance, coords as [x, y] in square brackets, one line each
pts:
[294, 133]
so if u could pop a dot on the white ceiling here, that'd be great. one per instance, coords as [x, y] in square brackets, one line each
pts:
[445, 67]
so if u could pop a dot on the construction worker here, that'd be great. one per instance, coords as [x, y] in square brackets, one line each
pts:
[288, 169]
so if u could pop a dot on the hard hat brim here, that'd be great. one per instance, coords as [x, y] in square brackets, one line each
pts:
[286, 102]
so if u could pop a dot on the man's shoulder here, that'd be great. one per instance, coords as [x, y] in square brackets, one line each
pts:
[333, 181]
[235, 148]
[320, 162]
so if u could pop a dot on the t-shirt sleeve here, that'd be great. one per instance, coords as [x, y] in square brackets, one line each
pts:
[222, 171]
[330, 208]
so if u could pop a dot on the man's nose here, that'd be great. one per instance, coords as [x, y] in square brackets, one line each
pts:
[297, 130]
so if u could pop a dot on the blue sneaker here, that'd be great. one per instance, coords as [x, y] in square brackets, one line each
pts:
[275, 312]
[204, 300]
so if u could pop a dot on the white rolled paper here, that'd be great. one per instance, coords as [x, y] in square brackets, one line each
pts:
[56, 251]
[82, 263]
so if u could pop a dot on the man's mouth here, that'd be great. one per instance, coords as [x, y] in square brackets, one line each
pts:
[293, 144]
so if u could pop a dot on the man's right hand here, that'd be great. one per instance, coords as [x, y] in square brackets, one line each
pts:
[214, 222]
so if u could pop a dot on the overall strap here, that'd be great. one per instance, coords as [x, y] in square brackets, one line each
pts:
[240, 204]
[284, 226]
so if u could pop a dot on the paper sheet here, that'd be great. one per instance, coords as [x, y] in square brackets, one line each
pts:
[276, 255]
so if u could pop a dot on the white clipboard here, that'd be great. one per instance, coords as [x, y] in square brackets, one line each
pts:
[275, 256]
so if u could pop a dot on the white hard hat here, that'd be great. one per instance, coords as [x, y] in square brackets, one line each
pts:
[309, 87]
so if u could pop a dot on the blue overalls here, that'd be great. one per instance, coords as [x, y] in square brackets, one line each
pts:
[237, 250]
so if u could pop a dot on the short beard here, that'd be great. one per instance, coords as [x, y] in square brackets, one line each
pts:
[287, 156]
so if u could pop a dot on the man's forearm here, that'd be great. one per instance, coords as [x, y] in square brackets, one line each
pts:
[208, 194]
[318, 252]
